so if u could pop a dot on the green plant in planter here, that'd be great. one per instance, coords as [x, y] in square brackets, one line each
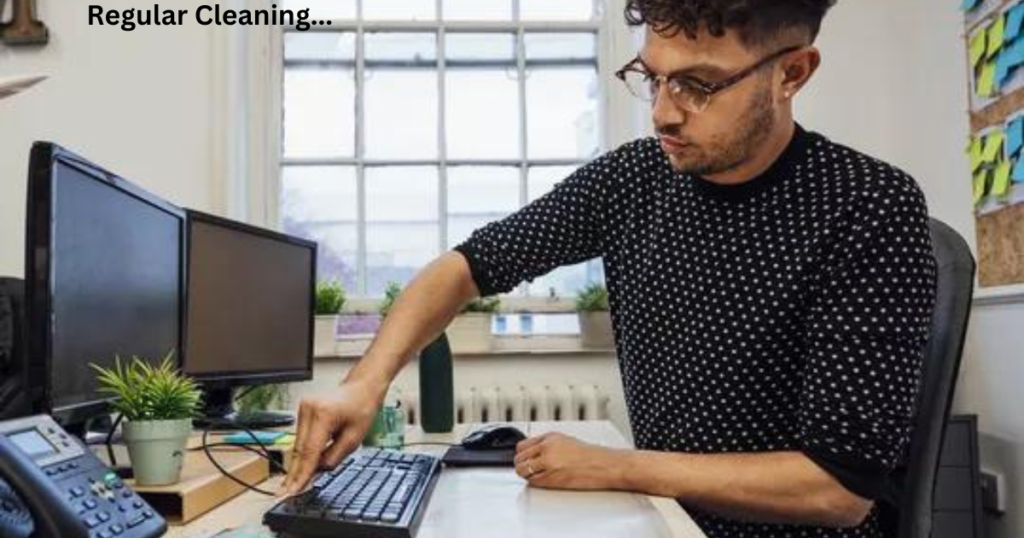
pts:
[262, 398]
[484, 305]
[391, 293]
[330, 298]
[145, 392]
[593, 298]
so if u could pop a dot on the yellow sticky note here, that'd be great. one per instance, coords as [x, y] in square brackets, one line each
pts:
[975, 154]
[993, 145]
[995, 36]
[1001, 183]
[980, 178]
[987, 80]
[979, 43]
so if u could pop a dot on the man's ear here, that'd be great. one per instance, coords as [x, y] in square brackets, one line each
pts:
[798, 68]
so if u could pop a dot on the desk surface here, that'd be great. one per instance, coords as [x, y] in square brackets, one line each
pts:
[495, 502]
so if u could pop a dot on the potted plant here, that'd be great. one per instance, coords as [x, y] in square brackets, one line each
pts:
[158, 405]
[391, 293]
[330, 298]
[595, 321]
[470, 331]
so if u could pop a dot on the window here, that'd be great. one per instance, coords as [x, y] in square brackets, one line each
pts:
[407, 124]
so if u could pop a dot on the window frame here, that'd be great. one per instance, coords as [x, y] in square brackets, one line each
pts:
[257, 196]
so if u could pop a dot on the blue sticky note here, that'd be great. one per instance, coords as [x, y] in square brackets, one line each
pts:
[1005, 63]
[968, 5]
[243, 438]
[1017, 52]
[1015, 137]
[1018, 172]
[1014, 23]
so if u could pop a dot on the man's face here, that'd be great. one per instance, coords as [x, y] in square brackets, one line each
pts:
[736, 121]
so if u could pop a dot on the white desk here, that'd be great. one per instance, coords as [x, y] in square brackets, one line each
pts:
[486, 503]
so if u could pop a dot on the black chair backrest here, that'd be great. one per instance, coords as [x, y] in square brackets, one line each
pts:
[954, 293]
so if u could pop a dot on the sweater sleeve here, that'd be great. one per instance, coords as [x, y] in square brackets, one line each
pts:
[866, 326]
[566, 226]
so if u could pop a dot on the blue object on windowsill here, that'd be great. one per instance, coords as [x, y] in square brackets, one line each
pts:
[243, 438]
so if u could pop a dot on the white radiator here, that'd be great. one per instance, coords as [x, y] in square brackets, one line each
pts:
[517, 404]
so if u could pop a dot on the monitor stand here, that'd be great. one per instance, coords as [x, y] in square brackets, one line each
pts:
[219, 414]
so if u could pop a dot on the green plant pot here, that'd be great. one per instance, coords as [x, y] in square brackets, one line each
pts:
[157, 449]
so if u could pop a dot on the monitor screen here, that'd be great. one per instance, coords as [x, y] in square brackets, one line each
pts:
[249, 303]
[106, 281]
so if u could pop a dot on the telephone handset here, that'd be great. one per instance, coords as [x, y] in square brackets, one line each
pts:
[66, 490]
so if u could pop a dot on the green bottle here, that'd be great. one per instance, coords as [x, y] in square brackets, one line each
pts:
[437, 392]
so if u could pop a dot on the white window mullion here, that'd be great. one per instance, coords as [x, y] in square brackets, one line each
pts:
[524, 169]
[361, 248]
[442, 140]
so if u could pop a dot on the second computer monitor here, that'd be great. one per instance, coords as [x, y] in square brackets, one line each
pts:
[249, 314]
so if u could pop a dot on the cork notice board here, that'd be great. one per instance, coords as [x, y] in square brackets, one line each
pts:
[994, 42]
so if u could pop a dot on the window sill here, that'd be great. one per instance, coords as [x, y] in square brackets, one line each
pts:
[506, 346]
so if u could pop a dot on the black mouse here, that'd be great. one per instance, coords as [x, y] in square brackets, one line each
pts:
[494, 437]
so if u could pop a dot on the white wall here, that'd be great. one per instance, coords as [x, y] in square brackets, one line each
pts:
[137, 103]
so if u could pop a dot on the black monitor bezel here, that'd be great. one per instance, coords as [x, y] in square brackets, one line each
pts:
[226, 379]
[39, 256]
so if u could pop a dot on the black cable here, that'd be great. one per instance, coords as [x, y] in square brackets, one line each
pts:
[225, 472]
[431, 444]
[273, 461]
[110, 441]
[247, 390]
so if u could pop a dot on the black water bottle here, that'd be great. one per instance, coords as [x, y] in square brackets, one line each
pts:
[437, 398]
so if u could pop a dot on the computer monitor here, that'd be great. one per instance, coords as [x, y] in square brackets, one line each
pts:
[249, 314]
[103, 278]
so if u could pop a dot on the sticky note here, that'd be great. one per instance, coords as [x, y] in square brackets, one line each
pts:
[987, 80]
[1005, 62]
[968, 5]
[995, 36]
[1014, 22]
[993, 143]
[1001, 183]
[974, 153]
[1014, 137]
[980, 178]
[978, 45]
[1018, 172]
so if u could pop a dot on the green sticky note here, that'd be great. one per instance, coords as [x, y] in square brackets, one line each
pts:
[978, 45]
[1001, 183]
[974, 153]
[987, 80]
[980, 178]
[993, 145]
[995, 36]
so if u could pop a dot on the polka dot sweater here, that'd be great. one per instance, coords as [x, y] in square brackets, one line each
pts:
[787, 313]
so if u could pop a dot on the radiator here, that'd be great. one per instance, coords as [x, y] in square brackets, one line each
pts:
[517, 404]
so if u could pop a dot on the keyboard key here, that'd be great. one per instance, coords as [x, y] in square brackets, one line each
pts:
[389, 517]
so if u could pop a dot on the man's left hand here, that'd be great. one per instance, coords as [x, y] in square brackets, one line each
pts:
[557, 461]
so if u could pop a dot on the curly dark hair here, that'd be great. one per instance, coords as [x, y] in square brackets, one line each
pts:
[758, 22]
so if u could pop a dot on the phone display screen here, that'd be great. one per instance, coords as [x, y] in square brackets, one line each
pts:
[32, 443]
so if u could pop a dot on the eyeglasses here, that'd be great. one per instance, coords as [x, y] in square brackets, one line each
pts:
[687, 93]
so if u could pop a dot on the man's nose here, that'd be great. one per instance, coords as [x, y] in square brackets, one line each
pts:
[664, 111]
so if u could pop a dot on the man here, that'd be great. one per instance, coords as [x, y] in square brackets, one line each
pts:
[771, 291]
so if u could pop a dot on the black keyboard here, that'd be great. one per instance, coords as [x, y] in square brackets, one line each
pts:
[373, 493]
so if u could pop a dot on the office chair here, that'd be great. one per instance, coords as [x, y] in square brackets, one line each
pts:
[915, 480]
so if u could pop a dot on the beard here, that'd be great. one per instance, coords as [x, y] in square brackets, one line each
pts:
[732, 149]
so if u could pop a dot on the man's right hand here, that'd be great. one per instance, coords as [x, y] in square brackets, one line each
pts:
[329, 429]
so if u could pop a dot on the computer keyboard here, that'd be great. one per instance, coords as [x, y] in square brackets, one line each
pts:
[373, 493]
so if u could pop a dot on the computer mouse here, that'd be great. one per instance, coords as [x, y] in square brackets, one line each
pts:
[494, 437]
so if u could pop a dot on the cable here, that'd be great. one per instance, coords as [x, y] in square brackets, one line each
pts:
[431, 444]
[276, 464]
[110, 441]
[209, 455]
